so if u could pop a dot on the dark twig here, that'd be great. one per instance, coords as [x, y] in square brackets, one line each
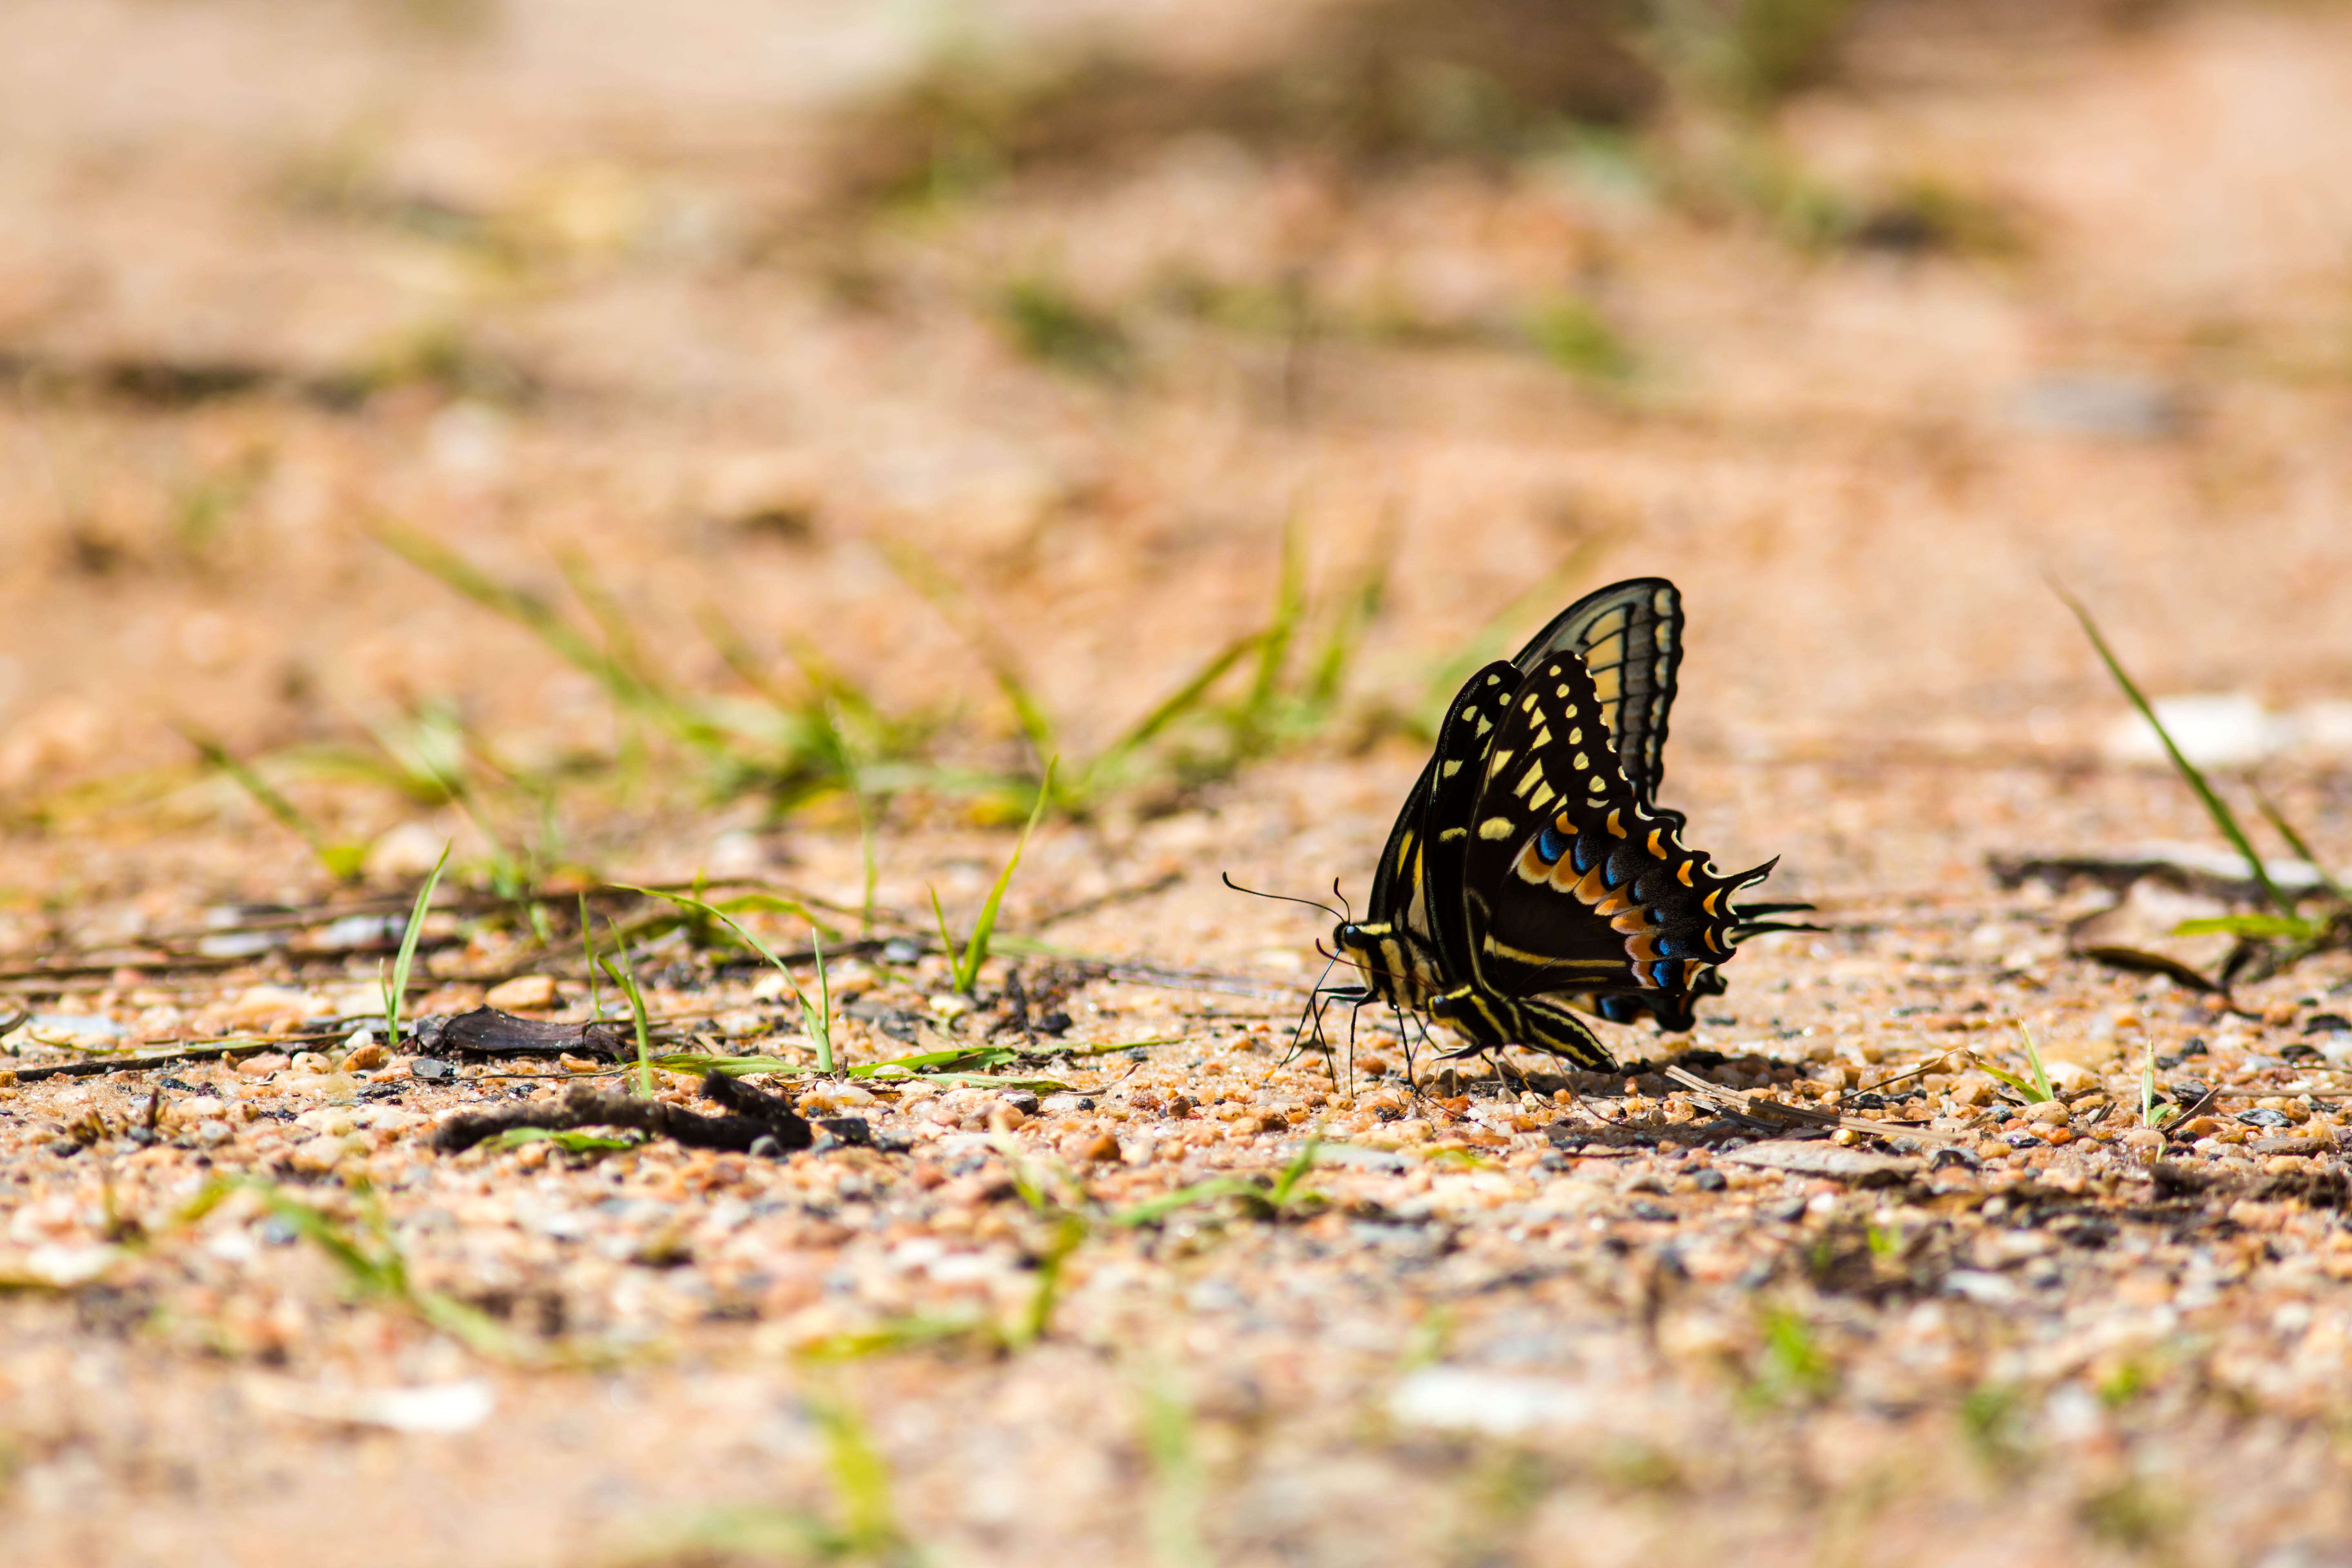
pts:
[756, 1115]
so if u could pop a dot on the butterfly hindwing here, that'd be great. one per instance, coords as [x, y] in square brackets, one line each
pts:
[1575, 884]
[1550, 763]
[1630, 636]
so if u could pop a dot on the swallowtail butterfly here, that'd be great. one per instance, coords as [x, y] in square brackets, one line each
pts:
[1531, 880]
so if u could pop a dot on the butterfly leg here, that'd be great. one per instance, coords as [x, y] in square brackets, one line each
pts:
[1318, 1002]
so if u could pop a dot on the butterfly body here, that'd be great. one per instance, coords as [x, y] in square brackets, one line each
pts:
[1531, 880]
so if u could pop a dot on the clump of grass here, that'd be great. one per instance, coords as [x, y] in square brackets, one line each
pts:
[964, 961]
[396, 986]
[2035, 1089]
[1748, 54]
[865, 1527]
[1992, 1419]
[1173, 1514]
[2266, 942]
[1574, 335]
[790, 747]
[816, 1017]
[1052, 326]
[1283, 1199]
[373, 1265]
[1791, 1368]
[1284, 699]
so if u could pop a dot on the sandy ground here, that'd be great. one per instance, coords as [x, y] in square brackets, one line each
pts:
[556, 285]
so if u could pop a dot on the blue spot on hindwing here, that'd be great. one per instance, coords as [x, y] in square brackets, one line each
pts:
[1550, 845]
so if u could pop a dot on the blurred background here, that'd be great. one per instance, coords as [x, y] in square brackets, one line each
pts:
[547, 414]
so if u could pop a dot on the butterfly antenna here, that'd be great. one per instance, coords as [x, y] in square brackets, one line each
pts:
[1345, 913]
[1226, 878]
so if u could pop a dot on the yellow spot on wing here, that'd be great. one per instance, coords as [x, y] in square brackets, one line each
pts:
[1495, 827]
[1615, 825]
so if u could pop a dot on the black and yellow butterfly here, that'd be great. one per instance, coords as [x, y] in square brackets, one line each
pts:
[1531, 880]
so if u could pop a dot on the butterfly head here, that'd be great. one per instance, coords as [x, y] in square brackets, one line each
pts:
[1398, 965]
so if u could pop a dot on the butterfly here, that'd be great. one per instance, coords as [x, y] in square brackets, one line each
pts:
[1531, 880]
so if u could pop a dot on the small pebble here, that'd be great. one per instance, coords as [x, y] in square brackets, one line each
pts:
[523, 993]
[429, 1068]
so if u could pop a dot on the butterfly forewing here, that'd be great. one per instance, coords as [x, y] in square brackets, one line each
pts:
[1479, 712]
[1630, 636]
[1421, 947]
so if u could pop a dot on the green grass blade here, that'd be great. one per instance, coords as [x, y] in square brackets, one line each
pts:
[1166, 1204]
[626, 978]
[2033, 1055]
[861, 1484]
[395, 990]
[340, 861]
[1295, 1172]
[437, 560]
[2293, 928]
[1358, 610]
[2032, 1095]
[2215, 806]
[1173, 1511]
[947, 942]
[1282, 629]
[920, 573]
[820, 1023]
[1178, 703]
[975, 953]
[1486, 644]
[2285, 829]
